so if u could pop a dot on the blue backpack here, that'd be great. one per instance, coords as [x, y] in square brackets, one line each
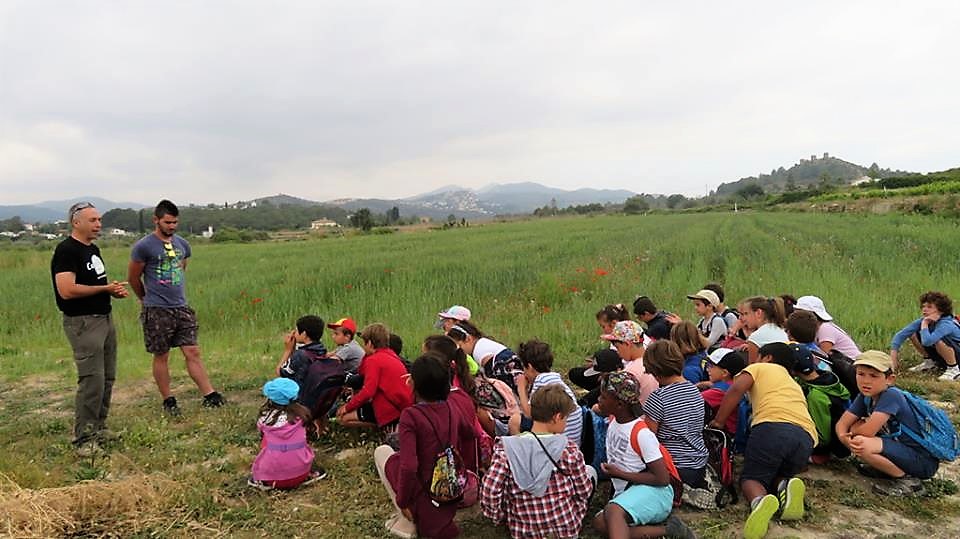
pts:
[593, 443]
[937, 433]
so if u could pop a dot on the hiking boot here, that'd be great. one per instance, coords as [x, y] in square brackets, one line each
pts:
[213, 400]
[170, 407]
[760, 514]
[952, 373]
[317, 474]
[900, 487]
[88, 449]
[677, 529]
[791, 499]
[927, 366]
[107, 436]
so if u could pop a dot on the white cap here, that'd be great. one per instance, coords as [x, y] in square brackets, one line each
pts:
[718, 354]
[814, 305]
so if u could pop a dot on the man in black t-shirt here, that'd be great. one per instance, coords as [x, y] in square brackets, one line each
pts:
[83, 294]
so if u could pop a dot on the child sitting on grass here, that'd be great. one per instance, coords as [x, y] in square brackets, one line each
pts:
[285, 459]
[693, 347]
[782, 437]
[873, 432]
[627, 339]
[674, 412]
[723, 365]
[425, 430]
[935, 335]
[294, 363]
[537, 360]
[538, 484]
[348, 352]
[587, 377]
[385, 392]
[711, 324]
[642, 493]
[829, 335]
[764, 318]
[827, 400]
[657, 321]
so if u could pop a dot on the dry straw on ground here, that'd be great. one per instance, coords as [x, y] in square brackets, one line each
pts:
[89, 508]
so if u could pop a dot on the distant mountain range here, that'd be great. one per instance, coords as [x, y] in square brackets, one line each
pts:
[56, 210]
[490, 201]
[507, 198]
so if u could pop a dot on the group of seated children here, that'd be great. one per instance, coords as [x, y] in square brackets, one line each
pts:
[472, 420]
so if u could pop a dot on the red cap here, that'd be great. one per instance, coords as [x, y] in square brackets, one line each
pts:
[344, 323]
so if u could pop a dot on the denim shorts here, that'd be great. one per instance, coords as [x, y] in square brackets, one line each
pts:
[775, 450]
[912, 460]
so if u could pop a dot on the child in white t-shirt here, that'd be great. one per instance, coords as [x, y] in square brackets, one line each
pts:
[639, 470]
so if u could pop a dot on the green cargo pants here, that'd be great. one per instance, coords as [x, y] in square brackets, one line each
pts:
[94, 342]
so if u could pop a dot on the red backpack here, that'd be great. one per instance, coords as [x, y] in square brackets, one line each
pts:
[675, 480]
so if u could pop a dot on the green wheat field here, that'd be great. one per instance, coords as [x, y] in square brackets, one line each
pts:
[539, 278]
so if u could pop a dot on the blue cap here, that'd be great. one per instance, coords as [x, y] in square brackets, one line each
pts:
[281, 390]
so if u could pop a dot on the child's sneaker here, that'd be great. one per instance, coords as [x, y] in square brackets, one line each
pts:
[677, 529]
[170, 406]
[259, 485]
[759, 520]
[402, 527]
[791, 499]
[317, 474]
[927, 365]
[213, 400]
[952, 373]
[900, 487]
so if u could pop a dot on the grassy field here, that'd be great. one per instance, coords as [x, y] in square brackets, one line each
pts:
[538, 278]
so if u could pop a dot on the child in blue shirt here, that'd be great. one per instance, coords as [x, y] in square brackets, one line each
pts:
[935, 335]
[693, 347]
[870, 428]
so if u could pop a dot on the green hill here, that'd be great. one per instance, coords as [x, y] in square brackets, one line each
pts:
[816, 171]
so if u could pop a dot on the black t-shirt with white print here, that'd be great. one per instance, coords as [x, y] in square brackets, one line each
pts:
[83, 261]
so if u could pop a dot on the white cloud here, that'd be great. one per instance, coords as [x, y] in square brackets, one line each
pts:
[213, 101]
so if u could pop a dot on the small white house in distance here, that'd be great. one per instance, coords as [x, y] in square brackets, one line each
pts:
[118, 232]
[208, 233]
[322, 223]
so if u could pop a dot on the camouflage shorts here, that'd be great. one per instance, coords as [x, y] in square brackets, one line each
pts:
[168, 327]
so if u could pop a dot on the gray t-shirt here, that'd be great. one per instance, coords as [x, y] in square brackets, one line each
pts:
[350, 355]
[163, 276]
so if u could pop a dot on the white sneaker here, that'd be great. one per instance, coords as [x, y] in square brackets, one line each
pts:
[927, 365]
[952, 373]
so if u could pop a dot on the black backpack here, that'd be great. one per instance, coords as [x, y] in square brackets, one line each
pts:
[842, 366]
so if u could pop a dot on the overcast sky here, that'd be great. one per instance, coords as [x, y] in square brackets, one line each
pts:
[223, 101]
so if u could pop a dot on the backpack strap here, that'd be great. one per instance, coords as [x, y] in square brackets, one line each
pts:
[547, 453]
[635, 438]
[675, 480]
